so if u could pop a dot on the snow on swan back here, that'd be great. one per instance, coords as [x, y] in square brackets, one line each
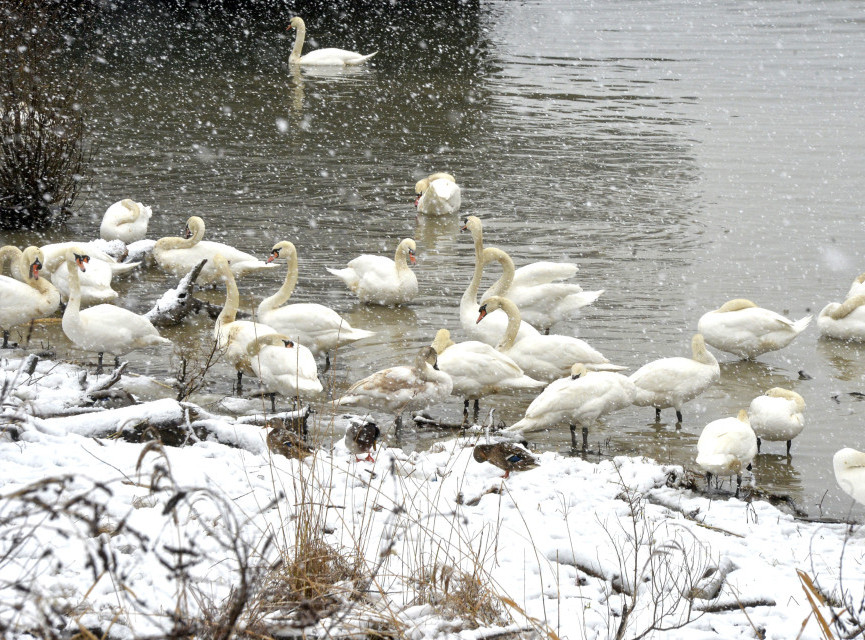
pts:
[742, 328]
[323, 57]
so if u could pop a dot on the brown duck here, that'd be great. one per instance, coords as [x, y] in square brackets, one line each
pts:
[508, 456]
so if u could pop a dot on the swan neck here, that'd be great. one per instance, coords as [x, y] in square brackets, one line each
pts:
[513, 324]
[284, 293]
[298, 43]
[503, 284]
[73, 305]
[12, 256]
[133, 209]
[232, 298]
[471, 294]
[400, 258]
[701, 354]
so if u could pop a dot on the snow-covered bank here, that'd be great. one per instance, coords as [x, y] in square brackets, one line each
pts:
[137, 539]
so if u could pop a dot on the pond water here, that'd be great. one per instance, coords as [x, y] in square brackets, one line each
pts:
[683, 154]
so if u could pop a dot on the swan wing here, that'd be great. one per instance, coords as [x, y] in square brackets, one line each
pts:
[542, 273]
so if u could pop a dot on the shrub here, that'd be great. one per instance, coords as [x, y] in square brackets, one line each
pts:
[43, 150]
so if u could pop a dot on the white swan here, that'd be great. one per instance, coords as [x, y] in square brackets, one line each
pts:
[777, 416]
[380, 280]
[496, 322]
[95, 283]
[844, 321]
[179, 255]
[23, 302]
[437, 194]
[726, 447]
[402, 388]
[858, 286]
[580, 398]
[234, 336]
[849, 466]
[478, 370]
[671, 382]
[315, 326]
[543, 357]
[283, 366]
[11, 255]
[323, 57]
[742, 328]
[541, 302]
[125, 221]
[103, 328]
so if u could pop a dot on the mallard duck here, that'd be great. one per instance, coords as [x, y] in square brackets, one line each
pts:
[727, 446]
[508, 456]
[286, 442]
[777, 415]
[742, 328]
[361, 437]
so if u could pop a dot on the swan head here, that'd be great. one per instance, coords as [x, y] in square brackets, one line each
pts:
[442, 341]
[296, 23]
[78, 256]
[473, 224]
[283, 249]
[193, 226]
[743, 416]
[779, 392]
[846, 459]
[578, 371]
[410, 247]
[492, 303]
[860, 278]
[427, 355]
[736, 305]
[35, 259]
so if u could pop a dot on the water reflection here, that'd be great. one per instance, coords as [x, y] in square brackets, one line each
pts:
[847, 359]
[743, 380]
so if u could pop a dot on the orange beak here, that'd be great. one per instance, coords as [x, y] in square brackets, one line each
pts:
[482, 315]
[273, 256]
[411, 257]
[82, 261]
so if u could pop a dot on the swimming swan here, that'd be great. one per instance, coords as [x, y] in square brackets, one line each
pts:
[103, 328]
[580, 398]
[726, 447]
[541, 299]
[478, 370]
[742, 328]
[402, 388]
[437, 194]
[125, 221]
[543, 357]
[777, 416]
[328, 57]
[23, 302]
[315, 326]
[845, 321]
[671, 382]
[496, 322]
[380, 280]
[178, 256]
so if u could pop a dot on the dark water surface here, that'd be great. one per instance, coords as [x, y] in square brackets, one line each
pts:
[682, 153]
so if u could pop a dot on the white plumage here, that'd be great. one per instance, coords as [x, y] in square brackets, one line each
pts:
[843, 321]
[380, 280]
[284, 366]
[315, 326]
[323, 57]
[126, 221]
[777, 416]
[742, 328]
[437, 194]
[178, 256]
[849, 465]
[671, 382]
[23, 302]
[726, 447]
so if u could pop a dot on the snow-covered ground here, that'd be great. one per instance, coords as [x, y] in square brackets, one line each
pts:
[133, 539]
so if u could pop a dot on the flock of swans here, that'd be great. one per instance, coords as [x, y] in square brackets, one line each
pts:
[510, 348]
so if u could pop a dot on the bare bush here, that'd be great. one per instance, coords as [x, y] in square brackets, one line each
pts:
[43, 151]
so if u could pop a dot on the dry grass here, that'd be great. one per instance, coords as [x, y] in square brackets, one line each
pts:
[460, 596]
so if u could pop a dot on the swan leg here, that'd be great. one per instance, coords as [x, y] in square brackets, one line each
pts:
[116, 361]
[326, 362]
[239, 382]
[760, 442]
[708, 480]
[585, 439]
[465, 411]
[397, 423]
[273, 403]
[789, 445]
[29, 332]
[477, 410]
[678, 416]
[657, 414]
[99, 365]
[738, 483]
